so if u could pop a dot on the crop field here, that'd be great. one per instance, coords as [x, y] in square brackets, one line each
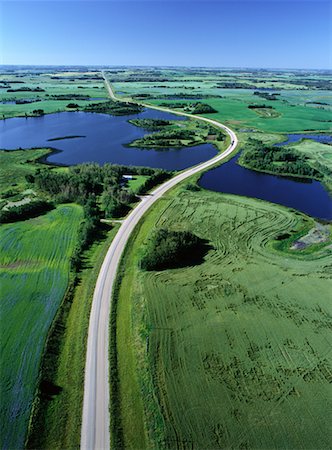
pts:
[23, 92]
[300, 102]
[34, 274]
[232, 353]
[64, 411]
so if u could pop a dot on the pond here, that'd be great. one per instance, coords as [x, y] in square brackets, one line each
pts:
[292, 138]
[104, 139]
[308, 196]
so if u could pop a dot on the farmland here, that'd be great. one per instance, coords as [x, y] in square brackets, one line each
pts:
[25, 91]
[64, 411]
[34, 272]
[231, 353]
[301, 101]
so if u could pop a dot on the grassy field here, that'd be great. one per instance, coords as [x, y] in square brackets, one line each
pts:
[233, 110]
[15, 165]
[317, 153]
[52, 86]
[64, 411]
[137, 181]
[232, 353]
[34, 273]
[301, 103]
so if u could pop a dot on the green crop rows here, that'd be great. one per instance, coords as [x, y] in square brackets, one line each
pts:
[34, 273]
[232, 353]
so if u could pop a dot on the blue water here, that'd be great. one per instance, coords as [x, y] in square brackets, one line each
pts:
[292, 138]
[105, 140]
[307, 196]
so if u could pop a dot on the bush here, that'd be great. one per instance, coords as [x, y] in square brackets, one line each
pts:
[171, 249]
[26, 211]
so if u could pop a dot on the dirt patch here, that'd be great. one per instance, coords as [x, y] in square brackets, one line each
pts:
[317, 235]
[18, 264]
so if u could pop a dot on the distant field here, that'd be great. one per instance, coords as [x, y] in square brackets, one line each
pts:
[34, 273]
[301, 102]
[238, 347]
[51, 85]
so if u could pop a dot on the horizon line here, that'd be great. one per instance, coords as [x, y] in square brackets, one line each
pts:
[166, 66]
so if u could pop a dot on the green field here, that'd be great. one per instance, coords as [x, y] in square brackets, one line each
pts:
[137, 181]
[318, 153]
[302, 103]
[64, 411]
[52, 86]
[34, 274]
[232, 353]
[15, 165]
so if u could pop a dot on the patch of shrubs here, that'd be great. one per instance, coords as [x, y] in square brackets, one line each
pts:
[26, 211]
[172, 249]
[114, 108]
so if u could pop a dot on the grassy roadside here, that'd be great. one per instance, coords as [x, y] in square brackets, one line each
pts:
[63, 410]
[128, 427]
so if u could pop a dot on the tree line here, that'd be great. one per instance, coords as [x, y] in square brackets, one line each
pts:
[279, 160]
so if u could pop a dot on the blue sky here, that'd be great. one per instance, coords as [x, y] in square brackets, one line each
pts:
[280, 34]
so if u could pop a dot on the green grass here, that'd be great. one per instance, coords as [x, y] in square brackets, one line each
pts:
[15, 165]
[137, 181]
[64, 411]
[294, 110]
[34, 273]
[317, 152]
[232, 353]
[62, 86]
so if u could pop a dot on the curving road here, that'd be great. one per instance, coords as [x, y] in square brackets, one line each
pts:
[96, 418]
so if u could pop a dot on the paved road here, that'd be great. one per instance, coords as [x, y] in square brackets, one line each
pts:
[96, 418]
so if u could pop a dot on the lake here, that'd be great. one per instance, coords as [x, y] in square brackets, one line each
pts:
[101, 138]
[104, 139]
[307, 196]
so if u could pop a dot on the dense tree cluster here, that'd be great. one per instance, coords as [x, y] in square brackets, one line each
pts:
[105, 183]
[38, 112]
[260, 106]
[114, 108]
[26, 211]
[170, 249]
[150, 124]
[267, 95]
[27, 89]
[279, 160]
[193, 108]
[100, 189]
[202, 108]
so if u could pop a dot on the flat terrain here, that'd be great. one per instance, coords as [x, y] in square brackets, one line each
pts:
[232, 353]
[51, 92]
[64, 411]
[34, 273]
[296, 101]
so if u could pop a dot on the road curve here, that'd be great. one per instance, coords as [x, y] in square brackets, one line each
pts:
[95, 432]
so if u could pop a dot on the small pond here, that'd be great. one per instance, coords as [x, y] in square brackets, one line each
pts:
[293, 138]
